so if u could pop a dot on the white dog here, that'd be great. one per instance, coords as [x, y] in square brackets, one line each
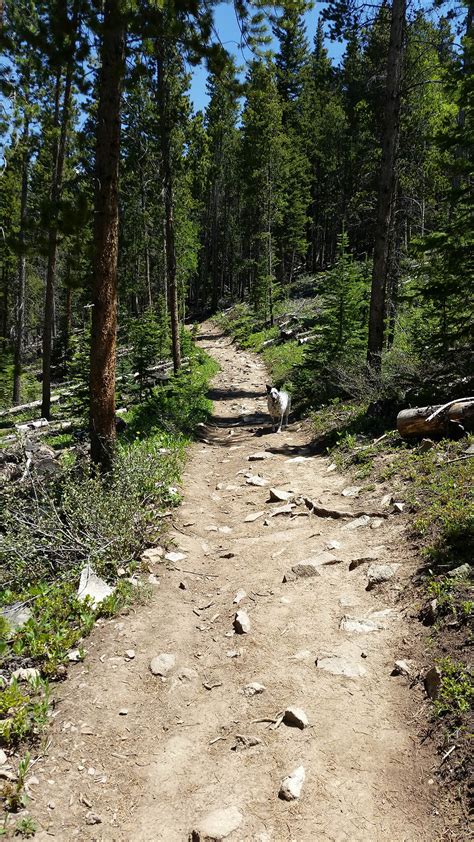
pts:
[279, 405]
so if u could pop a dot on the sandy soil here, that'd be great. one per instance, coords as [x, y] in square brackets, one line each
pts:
[156, 772]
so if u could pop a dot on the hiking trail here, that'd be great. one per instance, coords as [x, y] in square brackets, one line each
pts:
[138, 757]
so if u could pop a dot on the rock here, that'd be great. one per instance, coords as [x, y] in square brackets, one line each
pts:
[341, 666]
[363, 520]
[401, 668]
[377, 574]
[154, 555]
[243, 742]
[93, 818]
[25, 674]
[291, 786]
[430, 613]
[398, 507]
[74, 655]
[92, 586]
[295, 718]
[463, 571]
[217, 825]
[377, 522]
[279, 495]
[254, 516]
[129, 654]
[289, 576]
[425, 445]
[123, 712]
[433, 682]
[233, 653]
[226, 530]
[121, 572]
[326, 558]
[283, 510]
[183, 585]
[240, 595]
[362, 625]
[258, 457]
[332, 467]
[253, 689]
[175, 557]
[257, 480]
[297, 460]
[16, 615]
[242, 622]
[153, 580]
[364, 558]
[306, 569]
[162, 664]
[333, 545]
[351, 491]
[3, 757]
[386, 501]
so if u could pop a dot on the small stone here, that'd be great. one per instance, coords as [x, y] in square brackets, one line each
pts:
[433, 682]
[26, 674]
[183, 585]
[425, 445]
[154, 555]
[162, 664]
[253, 689]
[240, 595]
[244, 742]
[430, 614]
[333, 545]
[74, 655]
[254, 516]
[233, 653]
[217, 825]
[386, 501]
[130, 654]
[242, 622]
[93, 818]
[3, 757]
[360, 626]
[304, 570]
[377, 574]
[291, 786]
[121, 572]
[257, 480]
[332, 467]
[398, 507]
[283, 510]
[175, 557]
[377, 522]
[226, 530]
[401, 668]
[351, 491]
[363, 655]
[279, 495]
[51, 805]
[153, 580]
[364, 558]
[463, 571]
[363, 520]
[258, 457]
[296, 718]
[123, 712]
[290, 577]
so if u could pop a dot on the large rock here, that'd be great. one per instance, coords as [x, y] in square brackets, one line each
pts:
[217, 825]
[162, 664]
[16, 615]
[279, 495]
[92, 586]
[362, 625]
[291, 786]
[306, 569]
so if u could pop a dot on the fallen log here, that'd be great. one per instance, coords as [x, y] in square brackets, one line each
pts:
[437, 420]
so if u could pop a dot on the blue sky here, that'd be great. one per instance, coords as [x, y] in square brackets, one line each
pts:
[228, 31]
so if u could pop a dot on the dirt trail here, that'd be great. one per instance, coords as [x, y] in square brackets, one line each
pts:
[154, 773]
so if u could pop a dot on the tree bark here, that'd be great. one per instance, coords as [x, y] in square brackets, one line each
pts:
[163, 99]
[104, 279]
[386, 193]
[21, 290]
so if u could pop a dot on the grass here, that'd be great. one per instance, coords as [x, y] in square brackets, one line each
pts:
[51, 527]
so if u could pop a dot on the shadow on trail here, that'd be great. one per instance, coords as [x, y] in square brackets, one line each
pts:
[232, 394]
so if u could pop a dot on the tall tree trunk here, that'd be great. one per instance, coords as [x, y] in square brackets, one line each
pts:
[59, 154]
[104, 279]
[21, 290]
[5, 302]
[386, 193]
[163, 97]
[68, 320]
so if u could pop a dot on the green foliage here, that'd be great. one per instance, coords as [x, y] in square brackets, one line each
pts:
[456, 694]
[25, 827]
[149, 339]
[23, 710]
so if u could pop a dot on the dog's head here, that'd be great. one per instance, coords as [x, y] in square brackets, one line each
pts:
[272, 392]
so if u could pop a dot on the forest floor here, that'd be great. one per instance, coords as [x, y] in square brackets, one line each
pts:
[135, 756]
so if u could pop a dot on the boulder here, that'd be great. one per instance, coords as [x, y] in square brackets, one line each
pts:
[92, 586]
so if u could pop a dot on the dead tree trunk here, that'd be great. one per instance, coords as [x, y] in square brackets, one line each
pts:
[21, 290]
[386, 193]
[429, 420]
[104, 279]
